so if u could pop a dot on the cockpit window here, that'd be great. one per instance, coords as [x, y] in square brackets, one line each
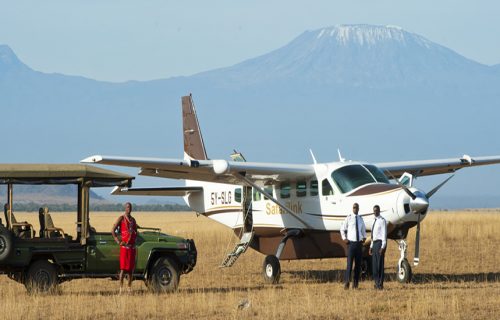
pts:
[377, 173]
[350, 177]
[327, 188]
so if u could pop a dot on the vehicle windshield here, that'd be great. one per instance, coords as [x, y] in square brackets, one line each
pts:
[350, 177]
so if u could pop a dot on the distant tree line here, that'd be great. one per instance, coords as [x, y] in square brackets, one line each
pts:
[62, 207]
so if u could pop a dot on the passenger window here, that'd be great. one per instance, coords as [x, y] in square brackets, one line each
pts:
[327, 188]
[285, 190]
[257, 196]
[268, 189]
[301, 189]
[237, 195]
[314, 187]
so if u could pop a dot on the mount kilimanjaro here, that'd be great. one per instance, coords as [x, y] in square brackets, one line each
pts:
[380, 93]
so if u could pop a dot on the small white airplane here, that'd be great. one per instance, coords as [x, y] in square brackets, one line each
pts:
[293, 211]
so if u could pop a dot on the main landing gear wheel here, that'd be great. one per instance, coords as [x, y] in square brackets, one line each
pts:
[271, 269]
[404, 272]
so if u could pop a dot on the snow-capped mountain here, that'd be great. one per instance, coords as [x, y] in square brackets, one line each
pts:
[356, 55]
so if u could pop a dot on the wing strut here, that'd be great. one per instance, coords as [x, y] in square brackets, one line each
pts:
[293, 214]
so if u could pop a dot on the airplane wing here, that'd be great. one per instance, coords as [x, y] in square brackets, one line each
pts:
[163, 191]
[431, 167]
[220, 171]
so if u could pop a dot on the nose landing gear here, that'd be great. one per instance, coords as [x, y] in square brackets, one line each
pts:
[404, 273]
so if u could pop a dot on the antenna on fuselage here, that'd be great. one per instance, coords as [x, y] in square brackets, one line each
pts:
[312, 155]
[340, 156]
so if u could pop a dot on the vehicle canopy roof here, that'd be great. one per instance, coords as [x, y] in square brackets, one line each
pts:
[42, 173]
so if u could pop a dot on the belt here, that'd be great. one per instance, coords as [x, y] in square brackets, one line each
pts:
[128, 246]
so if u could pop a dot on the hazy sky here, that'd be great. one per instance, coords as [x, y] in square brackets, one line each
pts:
[142, 40]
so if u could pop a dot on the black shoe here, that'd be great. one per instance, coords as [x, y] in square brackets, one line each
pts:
[346, 286]
[355, 286]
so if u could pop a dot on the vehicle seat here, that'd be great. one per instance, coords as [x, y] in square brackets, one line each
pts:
[22, 229]
[41, 220]
[51, 231]
[5, 213]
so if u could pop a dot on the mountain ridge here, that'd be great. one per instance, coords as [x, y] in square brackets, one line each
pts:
[355, 55]
[48, 194]
[9, 62]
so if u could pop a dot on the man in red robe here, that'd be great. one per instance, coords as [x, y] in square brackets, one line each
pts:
[128, 233]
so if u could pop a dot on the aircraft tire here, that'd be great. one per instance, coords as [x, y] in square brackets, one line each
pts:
[404, 273]
[6, 243]
[271, 269]
[41, 277]
[164, 277]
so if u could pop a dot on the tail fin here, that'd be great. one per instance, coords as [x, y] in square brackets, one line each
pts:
[194, 147]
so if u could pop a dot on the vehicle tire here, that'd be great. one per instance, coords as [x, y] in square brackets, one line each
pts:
[41, 277]
[164, 276]
[6, 243]
[271, 269]
[404, 272]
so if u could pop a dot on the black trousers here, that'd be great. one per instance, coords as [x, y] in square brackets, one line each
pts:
[354, 254]
[378, 264]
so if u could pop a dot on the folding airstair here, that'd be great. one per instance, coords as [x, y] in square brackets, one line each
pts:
[247, 229]
[240, 248]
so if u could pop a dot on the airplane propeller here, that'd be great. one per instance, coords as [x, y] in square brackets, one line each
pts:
[416, 258]
[431, 193]
[419, 204]
[405, 188]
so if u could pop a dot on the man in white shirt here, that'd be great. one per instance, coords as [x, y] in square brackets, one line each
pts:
[377, 247]
[353, 233]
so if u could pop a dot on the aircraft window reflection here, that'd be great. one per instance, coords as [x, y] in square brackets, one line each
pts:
[237, 195]
[301, 189]
[268, 189]
[285, 190]
[314, 187]
[405, 180]
[377, 173]
[350, 177]
[327, 188]
[257, 196]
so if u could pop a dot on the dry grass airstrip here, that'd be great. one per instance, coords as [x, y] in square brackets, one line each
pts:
[459, 278]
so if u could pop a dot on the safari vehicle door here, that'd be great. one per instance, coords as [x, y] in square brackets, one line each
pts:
[103, 253]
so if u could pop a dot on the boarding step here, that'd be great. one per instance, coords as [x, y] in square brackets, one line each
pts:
[240, 248]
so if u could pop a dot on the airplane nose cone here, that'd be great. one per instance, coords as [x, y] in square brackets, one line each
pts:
[420, 204]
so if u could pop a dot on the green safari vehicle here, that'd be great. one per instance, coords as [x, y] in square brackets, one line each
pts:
[42, 261]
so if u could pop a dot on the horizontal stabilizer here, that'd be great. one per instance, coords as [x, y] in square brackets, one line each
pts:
[164, 191]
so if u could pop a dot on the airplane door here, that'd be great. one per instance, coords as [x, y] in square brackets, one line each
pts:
[247, 209]
[330, 201]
